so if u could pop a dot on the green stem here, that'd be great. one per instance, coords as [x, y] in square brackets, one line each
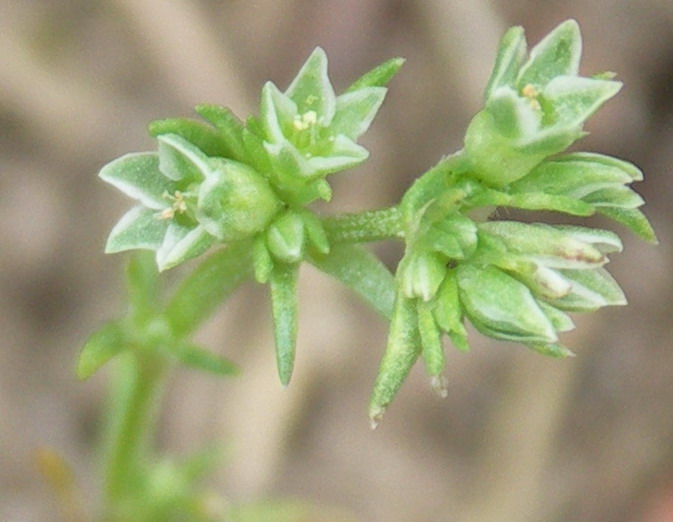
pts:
[361, 227]
[134, 401]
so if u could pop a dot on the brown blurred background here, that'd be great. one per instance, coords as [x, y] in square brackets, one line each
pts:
[520, 438]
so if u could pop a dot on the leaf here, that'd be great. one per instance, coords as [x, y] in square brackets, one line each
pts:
[229, 127]
[511, 53]
[555, 350]
[498, 304]
[256, 154]
[362, 272]
[379, 76]
[632, 218]
[207, 286]
[449, 312]
[203, 136]
[180, 159]
[557, 54]
[181, 244]
[283, 287]
[355, 111]
[616, 196]
[286, 238]
[142, 286]
[401, 352]
[102, 345]
[311, 89]
[316, 232]
[431, 341]
[139, 228]
[530, 201]
[199, 358]
[137, 175]
[561, 321]
[262, 261]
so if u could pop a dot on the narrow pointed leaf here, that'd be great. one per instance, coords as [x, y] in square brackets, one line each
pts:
[137, 175]
[203, 136]
[362, 272]
[401, 352]
[139, 228]
[449, 313]
[615, 196]
[556, 54]
[181, 244]
[316, 232]
[142, 281]
[229, 127]
[311, 90]
[102, 345]
[633, 219]
[560, 320]
[207, 286]
[284, 308]
[555, 350]
[199, 358]
[379, 76]
[355, 111]
[511, 53]
[262, 261]
[431, 341]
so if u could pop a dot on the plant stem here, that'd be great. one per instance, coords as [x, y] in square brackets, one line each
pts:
[133, 407]
[361, 227]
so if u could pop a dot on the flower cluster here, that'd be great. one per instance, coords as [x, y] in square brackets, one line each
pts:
[231, 182]
[249, 184]
[513, 281]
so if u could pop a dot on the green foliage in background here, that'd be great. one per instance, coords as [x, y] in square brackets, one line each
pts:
[241, 192]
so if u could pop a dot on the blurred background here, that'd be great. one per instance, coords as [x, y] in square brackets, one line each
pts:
[519, 438]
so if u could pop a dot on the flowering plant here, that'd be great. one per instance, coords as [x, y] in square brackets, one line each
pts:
[243, 189]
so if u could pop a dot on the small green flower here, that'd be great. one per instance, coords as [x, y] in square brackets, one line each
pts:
[535, 108]
[309, 132]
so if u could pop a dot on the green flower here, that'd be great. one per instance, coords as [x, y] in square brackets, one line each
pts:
[533, 108]
[188, 201]
[309, 132]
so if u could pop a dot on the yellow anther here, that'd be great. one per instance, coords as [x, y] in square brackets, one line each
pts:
[530, 92]
[305, 121]
[178, 206]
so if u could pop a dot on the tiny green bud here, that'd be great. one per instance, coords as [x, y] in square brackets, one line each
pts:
[422, 273]
[235, 201]
[286, 238]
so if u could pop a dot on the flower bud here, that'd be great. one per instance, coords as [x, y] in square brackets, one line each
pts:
[286, 238]
[235, 201]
